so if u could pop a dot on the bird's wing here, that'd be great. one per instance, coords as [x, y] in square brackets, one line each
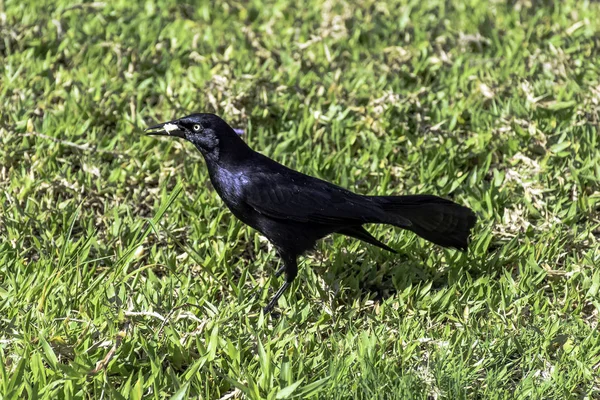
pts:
[307, 199]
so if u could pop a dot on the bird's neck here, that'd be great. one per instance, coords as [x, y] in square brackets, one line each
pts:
[230, 153]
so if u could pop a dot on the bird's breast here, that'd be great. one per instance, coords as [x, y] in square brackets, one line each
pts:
[228, 184]
[230, 187]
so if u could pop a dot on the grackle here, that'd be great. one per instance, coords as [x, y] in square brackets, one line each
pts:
[293, 210]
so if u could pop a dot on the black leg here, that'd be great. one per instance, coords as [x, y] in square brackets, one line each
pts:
[275, 298]
[290, 267]
[280, 271]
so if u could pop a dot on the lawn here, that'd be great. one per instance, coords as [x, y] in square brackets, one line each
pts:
[123, 275]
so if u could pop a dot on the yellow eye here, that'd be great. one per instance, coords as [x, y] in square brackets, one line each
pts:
[196, 127]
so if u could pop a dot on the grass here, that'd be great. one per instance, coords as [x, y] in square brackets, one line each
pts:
[122, 275]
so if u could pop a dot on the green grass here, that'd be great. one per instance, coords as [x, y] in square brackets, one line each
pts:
[122, 275]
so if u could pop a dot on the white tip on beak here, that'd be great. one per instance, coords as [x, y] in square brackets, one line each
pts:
[170, 127]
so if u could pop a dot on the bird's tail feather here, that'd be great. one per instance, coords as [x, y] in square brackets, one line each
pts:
[438, 220]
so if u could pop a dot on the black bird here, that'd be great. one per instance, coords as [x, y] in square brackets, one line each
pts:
[294, 210]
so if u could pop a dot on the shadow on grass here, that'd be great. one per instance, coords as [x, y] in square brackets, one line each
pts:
[370, 273]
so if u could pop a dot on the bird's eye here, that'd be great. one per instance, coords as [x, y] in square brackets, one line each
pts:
[196, 127]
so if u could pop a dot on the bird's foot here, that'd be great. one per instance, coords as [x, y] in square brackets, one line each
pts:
[269, 310]
[269, 307]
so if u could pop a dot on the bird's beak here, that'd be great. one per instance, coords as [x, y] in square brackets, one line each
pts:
[170, 128]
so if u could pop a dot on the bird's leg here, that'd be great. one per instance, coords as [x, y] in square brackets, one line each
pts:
[275, 298]
[280, 271]
[290, 267]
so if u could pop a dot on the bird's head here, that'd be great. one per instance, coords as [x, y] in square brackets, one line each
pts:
[208, 132]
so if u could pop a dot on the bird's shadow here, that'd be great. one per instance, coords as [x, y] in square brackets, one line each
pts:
[373, 274]
[376, 274]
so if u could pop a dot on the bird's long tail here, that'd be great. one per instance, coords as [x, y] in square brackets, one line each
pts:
[438, 220]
